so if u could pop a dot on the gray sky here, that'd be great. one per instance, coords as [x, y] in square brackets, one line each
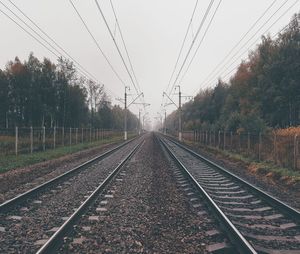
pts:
[153, 31]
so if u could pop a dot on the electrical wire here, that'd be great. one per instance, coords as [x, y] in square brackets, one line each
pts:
[96, 42]
[192, 44]
[244, 45]
[200, 43]
[182, 44]
[124, 44]
[116, 45]
[30, 34]
[281, 16]
[51, 39]
[53, 51]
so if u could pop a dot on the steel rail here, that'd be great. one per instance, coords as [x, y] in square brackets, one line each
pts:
[5, 206]
[237, 239]
[280, 205]
[56, 239]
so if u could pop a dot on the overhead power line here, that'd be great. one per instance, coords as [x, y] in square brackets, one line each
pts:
[200, 43]
[243, 37]
[49, 48]
[47, 36]
[116, 45]
[182, 44]
[29, 33]
[96, 42]
[192, 44]
[219, 72]
[247, 50]
[124, 44]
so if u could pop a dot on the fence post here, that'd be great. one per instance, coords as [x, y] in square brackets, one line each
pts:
[259, 146]
[219, 139]
[90, 135]
[275, 147]
[70, 136]
[31, 139]
[214, 138]
[81, 135]
[248, 145]
[63, 136]
[76, 136]
[240, 142]
[295, 151]
[231, 140]
[44, 138]
[54, 137]
[16, 140]
[224, 145]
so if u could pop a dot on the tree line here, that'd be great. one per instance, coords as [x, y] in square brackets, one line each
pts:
[264, 92]
[42, 93]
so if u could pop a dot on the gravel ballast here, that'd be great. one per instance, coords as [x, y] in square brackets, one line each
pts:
[145, 210]
[30, 224]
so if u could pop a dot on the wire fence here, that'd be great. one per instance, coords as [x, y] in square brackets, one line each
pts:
[283, 150]
[28, 140]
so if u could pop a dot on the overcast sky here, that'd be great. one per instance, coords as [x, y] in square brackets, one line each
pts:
[153, 31]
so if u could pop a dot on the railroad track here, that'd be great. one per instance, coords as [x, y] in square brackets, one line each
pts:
[29, 220]
[254, 221]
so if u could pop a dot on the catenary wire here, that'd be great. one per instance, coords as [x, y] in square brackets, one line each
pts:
[240, 40]
[244, 45]
[200, 43]
[116, 45]
[281, 16]
[51, 39]
[57, 54]
[192, 44]
[96, 42]
[124, 44]
[182, 44]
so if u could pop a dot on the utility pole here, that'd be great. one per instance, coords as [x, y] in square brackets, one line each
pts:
[165, 121]
[139, 121]
[179, 110]
[126, 107]
[125, 114]
[179, 121]
[144, 120]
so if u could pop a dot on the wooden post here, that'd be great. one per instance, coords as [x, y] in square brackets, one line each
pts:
[295, 151]
[63, 136]
[31, 139]
[214, 138]
[224, 145]
[90, 135]
[44, 138]
[219, 139]
[275, 147]
[76, 136]
[259, 146]
[231, 140]
[248, 145]
[70, 136]
[54, 137]
[81, 135]
[16, 140]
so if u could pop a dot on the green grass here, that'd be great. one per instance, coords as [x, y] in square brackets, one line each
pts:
[8, 162]
[263, 167]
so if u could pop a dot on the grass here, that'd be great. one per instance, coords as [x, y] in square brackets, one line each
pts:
[264, 167]
[8, 162]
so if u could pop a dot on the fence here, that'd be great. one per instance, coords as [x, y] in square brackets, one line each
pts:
[282, 150]
[29, 140]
